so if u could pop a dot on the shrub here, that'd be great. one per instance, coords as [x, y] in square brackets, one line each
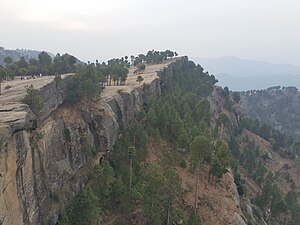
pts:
[84, 209]
[193, 219]
[33, 99]
[182, 163]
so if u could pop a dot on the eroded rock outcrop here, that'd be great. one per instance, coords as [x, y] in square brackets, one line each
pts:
[47, 158]
[54, 151]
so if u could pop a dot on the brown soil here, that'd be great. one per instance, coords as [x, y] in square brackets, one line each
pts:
[275, 166]
[215, 202]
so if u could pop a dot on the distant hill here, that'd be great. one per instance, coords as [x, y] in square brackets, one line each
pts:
[276, 106]
[257, 82]
[18, 53]
[242, 74]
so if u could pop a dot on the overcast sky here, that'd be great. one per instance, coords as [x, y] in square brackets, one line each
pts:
[266, 30]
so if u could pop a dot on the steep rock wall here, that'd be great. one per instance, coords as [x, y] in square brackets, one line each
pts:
[21, 170]
[54, 152]
[48, 157]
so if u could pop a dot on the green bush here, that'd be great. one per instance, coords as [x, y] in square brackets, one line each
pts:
[33, 99]
[182, 163]
[193, 219]
[84, 209]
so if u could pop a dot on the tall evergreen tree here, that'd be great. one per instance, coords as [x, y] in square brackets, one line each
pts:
[200, 152]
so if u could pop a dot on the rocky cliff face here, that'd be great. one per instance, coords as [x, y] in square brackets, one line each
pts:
[23, 192]
[46, 159]
[54, 151]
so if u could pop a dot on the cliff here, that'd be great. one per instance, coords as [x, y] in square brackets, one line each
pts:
[51, 154]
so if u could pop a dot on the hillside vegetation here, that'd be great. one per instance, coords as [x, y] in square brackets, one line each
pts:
[182, 156]
[276, 106]
[141, 173]
[190, 156]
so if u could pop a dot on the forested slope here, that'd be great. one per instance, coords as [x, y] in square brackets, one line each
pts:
[145, 140]
[276, 106]
[192, 157]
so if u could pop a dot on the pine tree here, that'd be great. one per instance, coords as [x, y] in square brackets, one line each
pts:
[172, 190]
[200, 152]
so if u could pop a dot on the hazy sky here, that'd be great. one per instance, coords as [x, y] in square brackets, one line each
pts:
[96, 29]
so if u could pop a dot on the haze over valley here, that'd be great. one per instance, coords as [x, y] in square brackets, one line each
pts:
[242, 74]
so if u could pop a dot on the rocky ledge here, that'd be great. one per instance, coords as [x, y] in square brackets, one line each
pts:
[52, 153]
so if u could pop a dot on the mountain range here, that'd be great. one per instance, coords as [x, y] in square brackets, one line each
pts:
[244, 74]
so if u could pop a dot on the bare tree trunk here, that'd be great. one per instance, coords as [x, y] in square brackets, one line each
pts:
[196, 190]
[209, 175]
[130, 172]
[130, 175]
[270, 215]
[169, 212]
[212, 180]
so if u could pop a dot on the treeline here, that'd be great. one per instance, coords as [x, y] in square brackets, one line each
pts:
[43, 65]
[91, 78]
[153, 57]
[65, 63]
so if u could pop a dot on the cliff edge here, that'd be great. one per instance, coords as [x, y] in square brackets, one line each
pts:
[54, 151]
